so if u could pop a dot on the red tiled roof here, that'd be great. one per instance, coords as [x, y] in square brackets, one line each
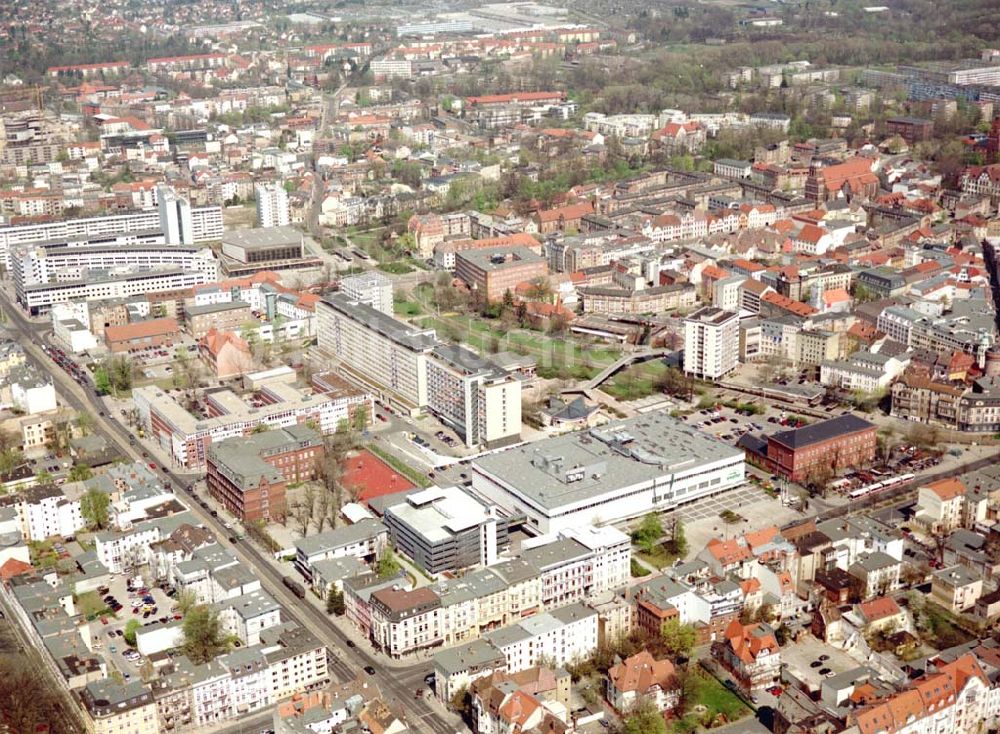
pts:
[569, 213]
[880, 608]
[14, 567]
[141, 330]
[947, 489]
[787, 304]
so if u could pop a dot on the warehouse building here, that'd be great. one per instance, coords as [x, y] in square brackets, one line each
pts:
[619, 471]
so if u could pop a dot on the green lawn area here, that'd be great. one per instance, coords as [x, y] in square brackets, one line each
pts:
[367, 241]
[42, 554]
[92, 606]
[407, 308]
[944, 630]
[554, 354]
[720, 704]
[637, 381]
[396, 268]
[638, 570]
[660, 556]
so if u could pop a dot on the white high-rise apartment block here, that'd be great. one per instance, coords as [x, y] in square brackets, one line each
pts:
[711, 343]
[372, 289]
[175, 217]
[272, 205]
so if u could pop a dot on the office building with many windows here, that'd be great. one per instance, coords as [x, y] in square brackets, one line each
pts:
[411, 369]
[711, 343]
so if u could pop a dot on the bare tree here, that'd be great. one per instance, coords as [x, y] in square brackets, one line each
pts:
[321, 515]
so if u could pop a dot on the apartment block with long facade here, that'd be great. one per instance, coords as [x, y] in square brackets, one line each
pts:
[973, 408]
[413, 370]
[275, 404]
[567, 568]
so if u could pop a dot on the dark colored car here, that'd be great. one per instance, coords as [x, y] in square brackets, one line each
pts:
[370, 670]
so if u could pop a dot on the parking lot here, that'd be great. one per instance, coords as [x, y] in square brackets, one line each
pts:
[146, 608]
[811, 662]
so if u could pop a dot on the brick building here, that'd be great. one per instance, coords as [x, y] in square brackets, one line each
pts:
[494, 272]
[562, 219]
[228, 316]
[911, 129]
[851, 179]
[141, 334]
[838, 443]
[249, 475]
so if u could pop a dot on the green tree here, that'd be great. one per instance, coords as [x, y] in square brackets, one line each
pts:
[649, 532]
[102, 381]
[131, 627]
[678, 638]
[79, 473]
[679, 541]
[388, 564]
[84, 422]
[186, 601]
[335, 602]
[644, 719]
[204, 637]
[94, 509]
[114, 375]
[461, 702]
[10, 453]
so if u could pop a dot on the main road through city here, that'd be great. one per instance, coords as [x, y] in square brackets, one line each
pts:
[398, 684]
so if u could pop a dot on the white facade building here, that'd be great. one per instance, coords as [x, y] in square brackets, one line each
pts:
[619, 471]
[176, 221]
[45, 511]
[555, 638]
[272, 205]
[371, 288]
[711, 343]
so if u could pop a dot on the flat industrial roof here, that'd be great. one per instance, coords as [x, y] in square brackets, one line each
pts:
[255, 239]
[576, 467]
[418, 340]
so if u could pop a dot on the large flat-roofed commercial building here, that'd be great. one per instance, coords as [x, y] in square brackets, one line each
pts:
[206, 225]
[620, 471]
[275, 404]
[39, 298]
[446, 529]
[413, 370]
[711, 343]
[263, 245]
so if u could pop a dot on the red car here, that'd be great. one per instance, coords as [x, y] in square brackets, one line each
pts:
[152, 466]
[104, 620]
[775, 691]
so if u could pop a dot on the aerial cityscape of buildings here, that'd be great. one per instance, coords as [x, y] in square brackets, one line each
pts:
[372, 368]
